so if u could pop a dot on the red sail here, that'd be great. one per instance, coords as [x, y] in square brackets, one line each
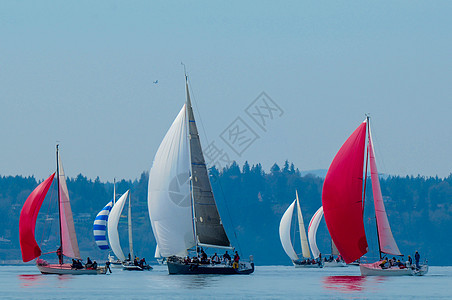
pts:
[27, 222]
[342, 197]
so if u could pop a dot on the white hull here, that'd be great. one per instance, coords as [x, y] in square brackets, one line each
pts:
[334, 264]
[65, 269]
[375, 270]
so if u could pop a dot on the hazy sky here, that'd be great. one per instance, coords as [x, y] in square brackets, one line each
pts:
[82, 73]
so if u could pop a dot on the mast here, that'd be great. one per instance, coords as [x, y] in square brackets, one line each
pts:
[114, 191]
[59, 200]
[367, 159]
[130, 230]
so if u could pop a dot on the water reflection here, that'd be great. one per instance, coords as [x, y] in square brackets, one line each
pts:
[29, 280]
[345, 283]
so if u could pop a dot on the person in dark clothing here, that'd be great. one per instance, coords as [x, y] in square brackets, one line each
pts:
[59, 253]
[417, 257]
[203, 257]
[226, 257]
[89, 263]
[107, 265]
[128, 257]
[410, 260]
[94, 266]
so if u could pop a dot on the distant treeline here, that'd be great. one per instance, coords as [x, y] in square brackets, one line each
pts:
[251, 203]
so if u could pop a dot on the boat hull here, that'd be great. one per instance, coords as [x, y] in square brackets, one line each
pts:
[375, 270]
[178, 267]
[132, 267]
[299, 264]
[66, 269]
[334, 264]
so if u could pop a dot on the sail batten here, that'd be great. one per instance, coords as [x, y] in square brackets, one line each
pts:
[27, 222]
[209, 227]
[387, 242]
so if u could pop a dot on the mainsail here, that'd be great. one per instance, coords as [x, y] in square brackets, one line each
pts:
[312, 231]
[69, 243]
[169, 201]
[27, 222]
[112, 224]
[303, 238]
[209, 228]
[386, 240]
[284, 232]
[100, 226]
[342, 197]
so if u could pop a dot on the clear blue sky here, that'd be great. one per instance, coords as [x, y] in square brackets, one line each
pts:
[82, 72]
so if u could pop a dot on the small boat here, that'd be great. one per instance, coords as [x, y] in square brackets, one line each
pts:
[329, 261]
[68, 239]
[343, 199]
[284, 235]
[181, 204]
[161, 260]
[130, 263]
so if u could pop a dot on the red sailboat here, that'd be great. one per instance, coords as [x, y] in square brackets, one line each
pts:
[69, 246]
[343, 205]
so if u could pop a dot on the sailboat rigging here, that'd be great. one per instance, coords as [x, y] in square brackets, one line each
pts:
[343, 198]
[68, 239]
[181, 204]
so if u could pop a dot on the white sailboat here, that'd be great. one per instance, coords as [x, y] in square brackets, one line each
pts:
[284, 235]
[334, 260]
[182, 208]
[113, 235]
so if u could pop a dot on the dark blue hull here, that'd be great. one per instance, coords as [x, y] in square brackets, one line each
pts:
[177, 267]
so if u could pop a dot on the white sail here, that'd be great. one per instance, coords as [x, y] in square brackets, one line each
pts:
[169, 201]
[312, 231]
[303, 238]
[157, 252]
[112, 224]
[284, 232]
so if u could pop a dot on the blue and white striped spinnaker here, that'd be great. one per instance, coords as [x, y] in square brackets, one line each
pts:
[100, 226]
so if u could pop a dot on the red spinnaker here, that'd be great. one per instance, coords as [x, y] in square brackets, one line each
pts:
[342, 197]
[27, 222]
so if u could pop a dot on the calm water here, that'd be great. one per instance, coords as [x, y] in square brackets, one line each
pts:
[25, 282]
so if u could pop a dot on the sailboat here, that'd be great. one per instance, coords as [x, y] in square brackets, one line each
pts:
[113, 235]
[284, 235]
[181, 204]
[343, 198]
[68, 239]
[312, 233]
